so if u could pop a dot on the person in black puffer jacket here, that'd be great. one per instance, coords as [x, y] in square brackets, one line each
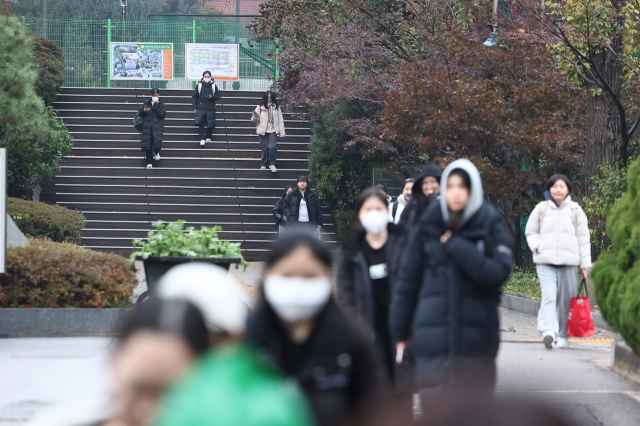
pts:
[203, 101]
[367, 269]
[278, 210]
[302, 207]
[153, 112]
[302, 331]
[425, 190]
[446, 301]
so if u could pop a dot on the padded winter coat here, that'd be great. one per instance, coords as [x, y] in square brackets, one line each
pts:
[401, 203]
[263, 119]
[563, 238]
[206, 108]
[153, 119]
[292, 206]
[446, 300]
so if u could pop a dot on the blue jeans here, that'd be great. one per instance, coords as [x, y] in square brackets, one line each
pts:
[269, 149]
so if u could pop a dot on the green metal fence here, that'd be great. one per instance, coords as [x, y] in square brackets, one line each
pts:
[85, 46]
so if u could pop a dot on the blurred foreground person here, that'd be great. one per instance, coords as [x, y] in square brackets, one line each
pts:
[424, 192]
[158, 345]
[368, 267]
[446, 301]
[232, 384]
[302, 330]
[558, 235]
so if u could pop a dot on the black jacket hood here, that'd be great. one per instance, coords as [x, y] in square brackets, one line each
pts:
[429, 170]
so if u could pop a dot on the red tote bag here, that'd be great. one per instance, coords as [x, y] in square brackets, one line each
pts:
[580, 316]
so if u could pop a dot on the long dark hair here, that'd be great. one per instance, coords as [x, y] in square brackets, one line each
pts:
[177, 317]
[265, 98]
[284, 194]
[295, 240]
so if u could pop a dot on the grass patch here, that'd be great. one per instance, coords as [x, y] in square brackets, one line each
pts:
[525, 284]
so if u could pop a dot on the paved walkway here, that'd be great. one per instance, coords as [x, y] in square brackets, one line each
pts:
[37, 374]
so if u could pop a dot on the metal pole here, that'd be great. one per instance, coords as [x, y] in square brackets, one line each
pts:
[277, 59]
[109, 27]
[44, 18]
[194, 28]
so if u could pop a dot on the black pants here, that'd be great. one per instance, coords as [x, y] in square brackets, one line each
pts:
[150, 153]
[204, 129]
[269, 149]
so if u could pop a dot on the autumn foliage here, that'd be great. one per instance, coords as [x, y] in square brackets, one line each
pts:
[420, 82]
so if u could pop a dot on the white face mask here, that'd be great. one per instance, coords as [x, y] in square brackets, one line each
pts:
[155, 98]
[297, 299]
[374, 222]
[207, 80]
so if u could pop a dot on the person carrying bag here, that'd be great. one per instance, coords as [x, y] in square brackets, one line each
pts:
[580, 322]
[269, 126]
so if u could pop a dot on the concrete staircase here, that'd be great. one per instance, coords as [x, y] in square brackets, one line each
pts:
[219, 184]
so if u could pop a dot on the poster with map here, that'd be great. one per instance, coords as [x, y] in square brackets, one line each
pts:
[141, 61]
[221, 59]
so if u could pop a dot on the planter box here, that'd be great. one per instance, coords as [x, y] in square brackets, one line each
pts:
[625, 362]
[51, 322]
[155, 267]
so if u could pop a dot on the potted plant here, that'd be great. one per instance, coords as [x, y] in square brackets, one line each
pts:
[171, 244]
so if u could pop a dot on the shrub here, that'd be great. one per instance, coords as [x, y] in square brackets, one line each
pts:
[525, 284]
[50, 60]
[47, 274]
[46, 221]
[345, 222]
[617, 272]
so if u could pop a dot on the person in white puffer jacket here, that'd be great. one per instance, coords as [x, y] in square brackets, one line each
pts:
[558, 235]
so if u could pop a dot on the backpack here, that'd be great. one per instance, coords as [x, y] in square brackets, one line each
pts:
[213, 88]
[575, 211]
[394, 210]
[137, 122]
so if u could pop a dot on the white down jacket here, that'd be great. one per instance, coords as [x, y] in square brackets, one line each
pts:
[563, 236]
[262, 120]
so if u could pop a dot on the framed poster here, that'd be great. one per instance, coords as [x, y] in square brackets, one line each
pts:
[141, 61]
[223, 60]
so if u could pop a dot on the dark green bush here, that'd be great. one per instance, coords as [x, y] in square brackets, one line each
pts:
[46, 221]
[345, 222]
[50, 60]
[617, 272]
[47, 274]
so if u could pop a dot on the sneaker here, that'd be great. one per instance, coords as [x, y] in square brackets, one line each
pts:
[563, 343]
[157, 157]
[202, 142]
[208, 140]
[149, 166]
[548, 339]
[263, 168]
[273, 168]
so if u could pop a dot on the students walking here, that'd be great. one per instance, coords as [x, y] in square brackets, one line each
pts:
[367, 269]
[203, 101]
[446, 300]
[396, 209]
[424, 191]
[269, 126]
[558, 235]
[302, 330]
[302, 207]
[153, 113]
[278, 210]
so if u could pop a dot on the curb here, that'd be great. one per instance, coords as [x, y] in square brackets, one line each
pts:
[45, 322]
[625, 362]
[531, 307]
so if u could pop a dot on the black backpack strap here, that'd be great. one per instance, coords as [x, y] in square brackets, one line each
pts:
[395, 210]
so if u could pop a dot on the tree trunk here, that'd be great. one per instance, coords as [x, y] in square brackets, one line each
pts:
[604, 127]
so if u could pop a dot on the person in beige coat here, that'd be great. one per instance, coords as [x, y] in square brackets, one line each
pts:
[269, 126]
[558, 235]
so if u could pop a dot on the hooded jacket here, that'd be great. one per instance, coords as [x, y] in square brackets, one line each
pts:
[562, 237]
[447, 296]
[152, 122]
[339, 373]
[206, 108]
[401, 203]
[419, 202]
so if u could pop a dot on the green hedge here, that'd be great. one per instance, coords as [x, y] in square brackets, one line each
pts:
[617, 272]
[50, 60]
[45, 274]
[46, 221]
